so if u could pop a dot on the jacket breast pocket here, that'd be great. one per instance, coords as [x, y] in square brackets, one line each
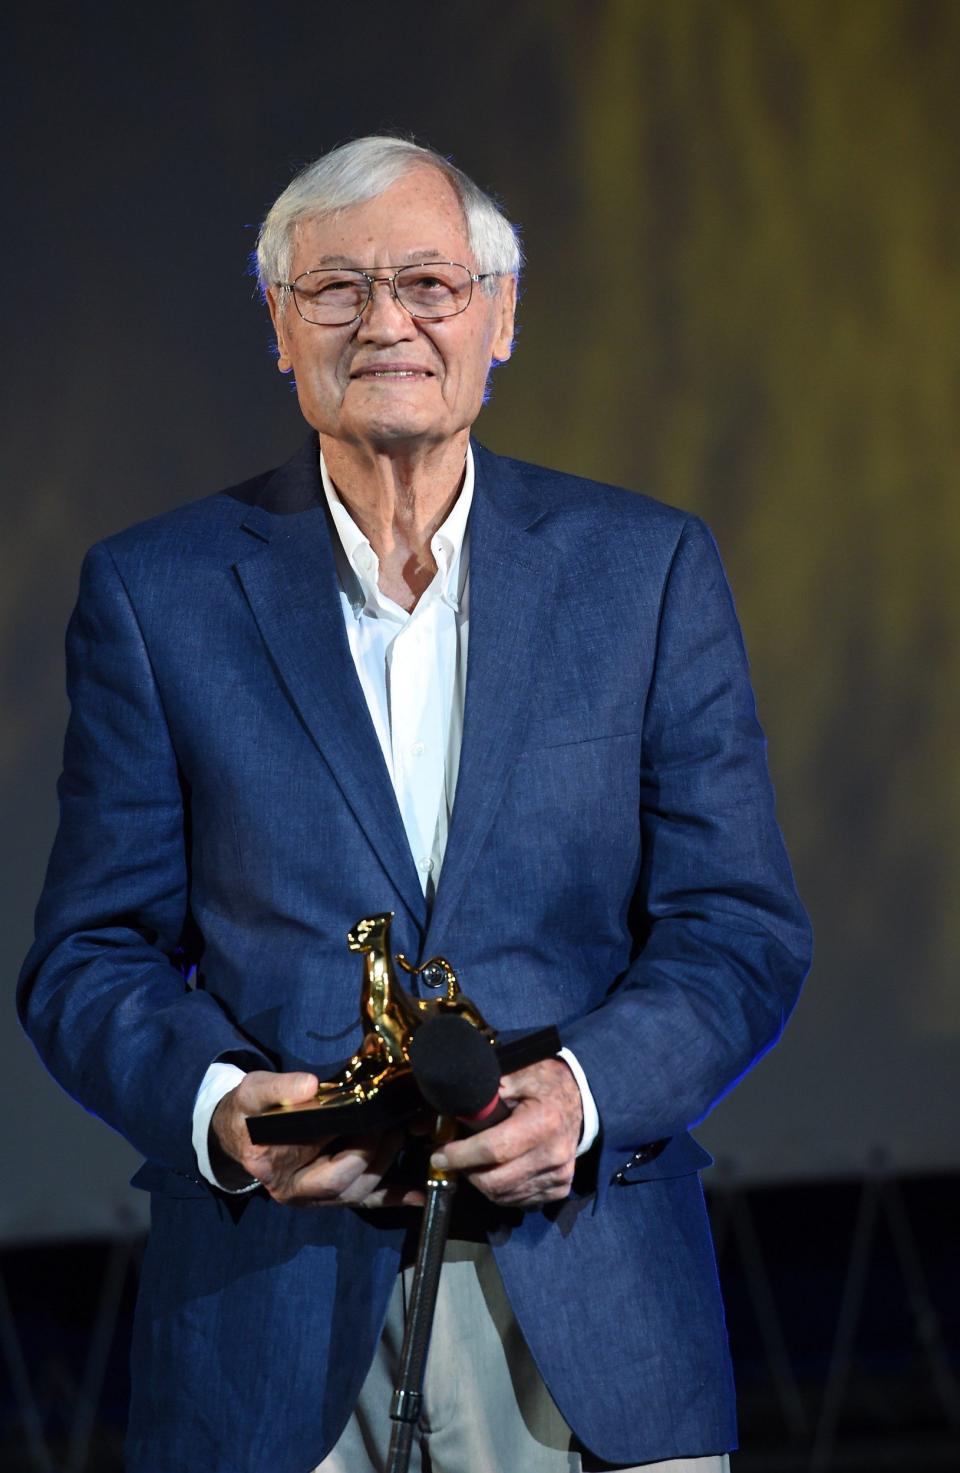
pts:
[570, 728]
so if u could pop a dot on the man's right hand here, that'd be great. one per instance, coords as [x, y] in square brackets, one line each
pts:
[306, 1176]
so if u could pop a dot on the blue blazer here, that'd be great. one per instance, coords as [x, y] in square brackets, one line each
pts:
[614, 867]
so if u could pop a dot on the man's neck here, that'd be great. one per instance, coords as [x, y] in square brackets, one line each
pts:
[398, 501]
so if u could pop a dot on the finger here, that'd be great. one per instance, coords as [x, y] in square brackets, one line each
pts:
[472, 1153]
[526, 1189]
[534, 1080]
[272, 1165]
[531, 1125]
[253, 1096]
[493, 1147]
[261, 1090]
[395, 1197]
[513, 1187]
[276, 1166]
[373, 1168]
[548, 1080]
[541, 1163]
[515, 1168]
[256, 1092]
[348, 1176]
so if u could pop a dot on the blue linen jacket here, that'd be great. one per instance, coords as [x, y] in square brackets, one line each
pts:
[614, 867]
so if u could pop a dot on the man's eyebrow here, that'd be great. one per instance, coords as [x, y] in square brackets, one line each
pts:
[425, 253]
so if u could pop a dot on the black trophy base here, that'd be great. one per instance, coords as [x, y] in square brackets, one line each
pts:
[396, 1103]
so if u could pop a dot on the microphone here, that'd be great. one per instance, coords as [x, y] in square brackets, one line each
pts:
[457, 1072]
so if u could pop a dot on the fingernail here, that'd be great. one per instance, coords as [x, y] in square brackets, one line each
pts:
[438, 1161]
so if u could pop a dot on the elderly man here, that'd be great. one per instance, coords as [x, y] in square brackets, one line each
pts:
[401, 673]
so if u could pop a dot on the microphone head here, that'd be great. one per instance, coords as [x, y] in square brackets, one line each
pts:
[454, 1066]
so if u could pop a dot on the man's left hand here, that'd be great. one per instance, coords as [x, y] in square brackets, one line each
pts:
[529, 1159]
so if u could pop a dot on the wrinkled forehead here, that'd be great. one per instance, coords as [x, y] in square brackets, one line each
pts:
[418, 218]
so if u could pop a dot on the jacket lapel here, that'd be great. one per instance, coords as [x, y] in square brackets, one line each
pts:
[290, 582]
[513, 575]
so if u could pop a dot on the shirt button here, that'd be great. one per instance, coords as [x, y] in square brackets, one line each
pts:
[417, 749]
[425, 866]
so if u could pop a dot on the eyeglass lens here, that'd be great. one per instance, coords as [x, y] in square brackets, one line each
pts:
[437, 289]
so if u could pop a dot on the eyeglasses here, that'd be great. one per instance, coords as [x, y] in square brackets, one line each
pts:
[428, 291]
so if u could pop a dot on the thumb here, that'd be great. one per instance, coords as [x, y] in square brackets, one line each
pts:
[293, 1089]
[262, 1090]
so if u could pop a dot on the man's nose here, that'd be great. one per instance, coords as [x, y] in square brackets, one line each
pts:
[383, 315]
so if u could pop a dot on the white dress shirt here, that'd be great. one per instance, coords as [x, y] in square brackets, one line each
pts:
[412, 667]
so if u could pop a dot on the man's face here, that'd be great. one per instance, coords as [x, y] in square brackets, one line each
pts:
[391, 380]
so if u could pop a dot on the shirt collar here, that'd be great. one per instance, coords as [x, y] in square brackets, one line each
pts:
[448, 546]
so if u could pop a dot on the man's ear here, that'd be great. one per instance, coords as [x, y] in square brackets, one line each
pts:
[276, 306]
[506, 310]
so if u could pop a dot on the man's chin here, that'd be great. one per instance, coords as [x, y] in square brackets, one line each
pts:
[386, 430]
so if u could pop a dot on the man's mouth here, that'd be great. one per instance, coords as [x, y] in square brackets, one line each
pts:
[393, 373]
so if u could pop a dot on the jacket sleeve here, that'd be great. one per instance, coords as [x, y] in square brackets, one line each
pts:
[103, 992]
[723, 941]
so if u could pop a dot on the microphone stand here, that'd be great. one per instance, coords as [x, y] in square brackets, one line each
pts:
[408, 1393]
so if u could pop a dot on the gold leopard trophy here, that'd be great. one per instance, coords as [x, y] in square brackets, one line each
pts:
[391, 1015]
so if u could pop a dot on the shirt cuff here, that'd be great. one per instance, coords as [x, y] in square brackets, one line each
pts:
[218, 1081]
[591, 1118]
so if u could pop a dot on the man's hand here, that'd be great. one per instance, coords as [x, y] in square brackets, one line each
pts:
[529, 1159]
[304, 1175]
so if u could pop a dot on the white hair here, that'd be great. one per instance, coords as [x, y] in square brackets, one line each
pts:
[360, 171]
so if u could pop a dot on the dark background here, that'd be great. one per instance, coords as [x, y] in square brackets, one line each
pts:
[743, 297]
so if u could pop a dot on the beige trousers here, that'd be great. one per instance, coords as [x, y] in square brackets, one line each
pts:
[485, 1406]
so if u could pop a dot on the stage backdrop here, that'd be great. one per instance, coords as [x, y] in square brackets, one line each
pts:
[743, 297]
